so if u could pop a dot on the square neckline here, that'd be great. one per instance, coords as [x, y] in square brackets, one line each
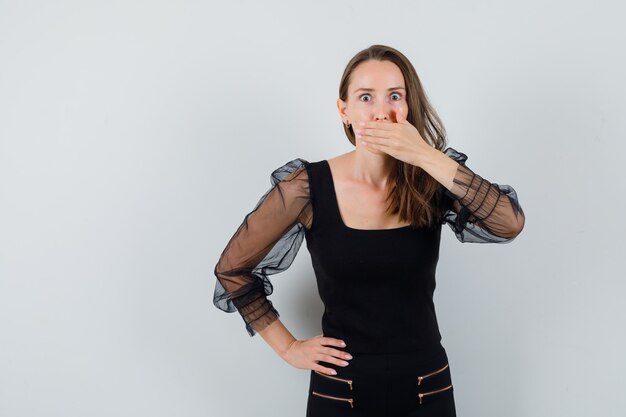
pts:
[338, 212]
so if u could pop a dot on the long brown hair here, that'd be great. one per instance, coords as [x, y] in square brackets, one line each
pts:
[414, 192]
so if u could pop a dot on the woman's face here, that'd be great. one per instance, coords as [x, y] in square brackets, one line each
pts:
[376, 89]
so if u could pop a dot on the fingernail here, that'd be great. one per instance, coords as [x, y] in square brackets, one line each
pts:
[348, 356]
[333, 372]
[343, 343]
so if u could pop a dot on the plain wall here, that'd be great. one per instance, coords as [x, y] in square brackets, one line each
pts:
[135, 136]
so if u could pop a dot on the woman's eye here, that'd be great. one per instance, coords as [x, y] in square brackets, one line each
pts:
[398, 95]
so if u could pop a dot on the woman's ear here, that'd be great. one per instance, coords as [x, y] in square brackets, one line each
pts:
[341, 106]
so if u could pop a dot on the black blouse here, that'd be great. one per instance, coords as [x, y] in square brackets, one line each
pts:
[271, 234]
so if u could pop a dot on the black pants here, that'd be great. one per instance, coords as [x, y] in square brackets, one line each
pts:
[385, 385]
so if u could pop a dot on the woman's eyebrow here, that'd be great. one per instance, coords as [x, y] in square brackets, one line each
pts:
[371, 89]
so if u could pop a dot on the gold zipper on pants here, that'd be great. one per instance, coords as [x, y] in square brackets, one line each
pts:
[350, 400]
[347, 381]
[421, 395]
[421, 378]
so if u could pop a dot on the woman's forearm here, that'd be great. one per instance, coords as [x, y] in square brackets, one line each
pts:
[484, 200]
[278, 337]
[438, 165]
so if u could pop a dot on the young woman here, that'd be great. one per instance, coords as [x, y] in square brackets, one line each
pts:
[372, 219]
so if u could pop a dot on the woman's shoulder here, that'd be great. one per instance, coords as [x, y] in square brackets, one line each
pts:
[339, 164]
[302, 167]
[295, 168]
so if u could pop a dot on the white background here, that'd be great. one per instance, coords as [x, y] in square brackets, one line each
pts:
[135, 136]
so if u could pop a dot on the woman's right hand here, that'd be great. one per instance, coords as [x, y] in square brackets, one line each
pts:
[305, 354]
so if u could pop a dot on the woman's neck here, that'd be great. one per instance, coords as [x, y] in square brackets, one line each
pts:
[370, 168]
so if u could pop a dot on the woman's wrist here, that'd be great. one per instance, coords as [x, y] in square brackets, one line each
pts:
[278, 337]
[424, 155]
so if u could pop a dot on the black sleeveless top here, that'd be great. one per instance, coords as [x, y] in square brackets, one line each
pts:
[376, 285]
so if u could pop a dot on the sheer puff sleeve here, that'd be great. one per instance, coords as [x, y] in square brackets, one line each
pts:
[480, 211]
[266, 243]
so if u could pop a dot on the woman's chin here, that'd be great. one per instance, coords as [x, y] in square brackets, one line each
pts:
[374, 151]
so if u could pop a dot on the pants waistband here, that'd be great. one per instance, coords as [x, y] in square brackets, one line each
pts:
[394, 362]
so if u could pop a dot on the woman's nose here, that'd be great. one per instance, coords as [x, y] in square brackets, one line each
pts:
[382, 116]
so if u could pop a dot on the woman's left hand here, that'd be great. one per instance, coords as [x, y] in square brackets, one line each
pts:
[401, 140]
